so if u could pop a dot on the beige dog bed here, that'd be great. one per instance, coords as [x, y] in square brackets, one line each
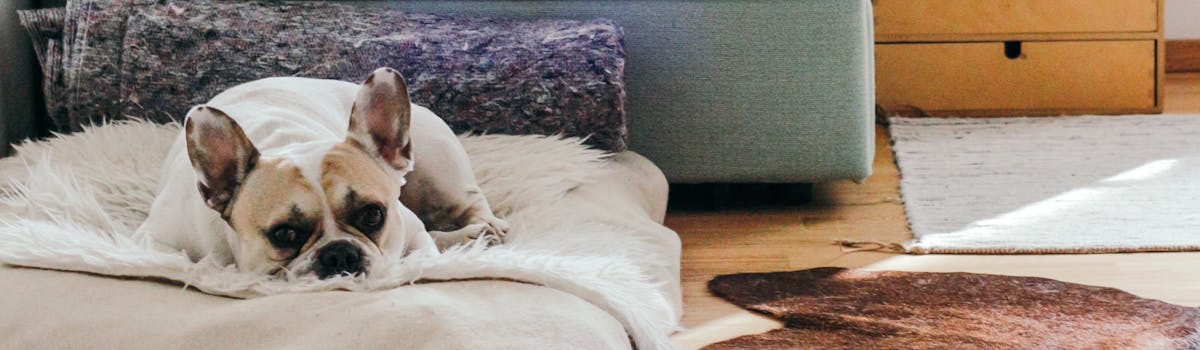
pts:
[621, 203]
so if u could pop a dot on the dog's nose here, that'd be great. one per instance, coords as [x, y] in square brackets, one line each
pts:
[339, 258]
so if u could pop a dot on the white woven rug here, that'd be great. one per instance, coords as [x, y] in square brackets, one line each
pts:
[1089, 184]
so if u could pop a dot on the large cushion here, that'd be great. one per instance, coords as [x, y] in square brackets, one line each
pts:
[153, 60]
[54, 309]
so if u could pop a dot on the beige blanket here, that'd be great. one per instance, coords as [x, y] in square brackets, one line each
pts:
[50, 309]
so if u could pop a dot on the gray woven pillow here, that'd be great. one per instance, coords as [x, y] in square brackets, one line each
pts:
[143, 59]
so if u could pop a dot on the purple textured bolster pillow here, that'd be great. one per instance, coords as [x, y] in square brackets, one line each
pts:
[143, 59]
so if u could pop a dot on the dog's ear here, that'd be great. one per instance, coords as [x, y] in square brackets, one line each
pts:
[221, 155]
[380, 118]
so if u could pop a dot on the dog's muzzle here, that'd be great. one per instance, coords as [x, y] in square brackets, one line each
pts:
[339, 258]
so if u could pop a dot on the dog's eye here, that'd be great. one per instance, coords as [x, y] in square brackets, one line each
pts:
[369, 219]
[286, 237]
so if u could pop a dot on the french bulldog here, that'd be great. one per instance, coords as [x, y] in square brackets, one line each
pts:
[297, 177]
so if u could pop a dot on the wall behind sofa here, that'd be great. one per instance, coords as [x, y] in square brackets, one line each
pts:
[1182, 19]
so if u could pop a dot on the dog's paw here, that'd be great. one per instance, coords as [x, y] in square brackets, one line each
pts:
[486, 233]
[490, 238]
[496, 226]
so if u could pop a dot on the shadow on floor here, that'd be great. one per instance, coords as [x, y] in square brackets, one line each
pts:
[726, 196]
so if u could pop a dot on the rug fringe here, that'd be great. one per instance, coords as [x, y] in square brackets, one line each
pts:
[849, 246]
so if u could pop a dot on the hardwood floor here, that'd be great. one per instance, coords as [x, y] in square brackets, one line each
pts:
[792, 238]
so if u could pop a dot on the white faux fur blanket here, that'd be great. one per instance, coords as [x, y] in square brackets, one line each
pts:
[72, 203]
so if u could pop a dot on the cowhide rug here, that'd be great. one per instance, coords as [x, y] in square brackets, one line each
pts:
[836, 308]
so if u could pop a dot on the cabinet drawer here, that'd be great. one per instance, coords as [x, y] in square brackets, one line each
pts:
[939, 17]
[1044, 77]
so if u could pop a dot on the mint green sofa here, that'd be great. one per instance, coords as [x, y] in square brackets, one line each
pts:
[735, 91]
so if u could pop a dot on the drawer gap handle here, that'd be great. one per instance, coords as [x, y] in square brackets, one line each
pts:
[1012, 49]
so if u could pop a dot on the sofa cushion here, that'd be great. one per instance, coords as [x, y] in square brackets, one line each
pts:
[154, 60]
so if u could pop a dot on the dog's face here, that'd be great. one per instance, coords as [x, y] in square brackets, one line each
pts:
[322, 209]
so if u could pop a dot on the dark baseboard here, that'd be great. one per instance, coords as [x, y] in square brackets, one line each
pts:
[1183, 56]
[723, 196]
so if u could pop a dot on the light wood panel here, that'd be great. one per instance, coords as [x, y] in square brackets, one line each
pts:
[978, 78]
[940, 17]
[781, 238]
[995, 21]
[966, 38]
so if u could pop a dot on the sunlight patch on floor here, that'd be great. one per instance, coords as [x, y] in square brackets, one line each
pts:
[730, 326]
[1145, 172]
[910, 263]
[1097, 205]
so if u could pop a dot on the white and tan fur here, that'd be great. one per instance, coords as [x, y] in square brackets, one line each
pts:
[307, 162]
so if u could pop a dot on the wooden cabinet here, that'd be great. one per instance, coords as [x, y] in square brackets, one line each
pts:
[1019, 57]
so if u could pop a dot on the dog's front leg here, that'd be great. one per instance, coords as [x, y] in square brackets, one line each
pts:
[469, 218]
